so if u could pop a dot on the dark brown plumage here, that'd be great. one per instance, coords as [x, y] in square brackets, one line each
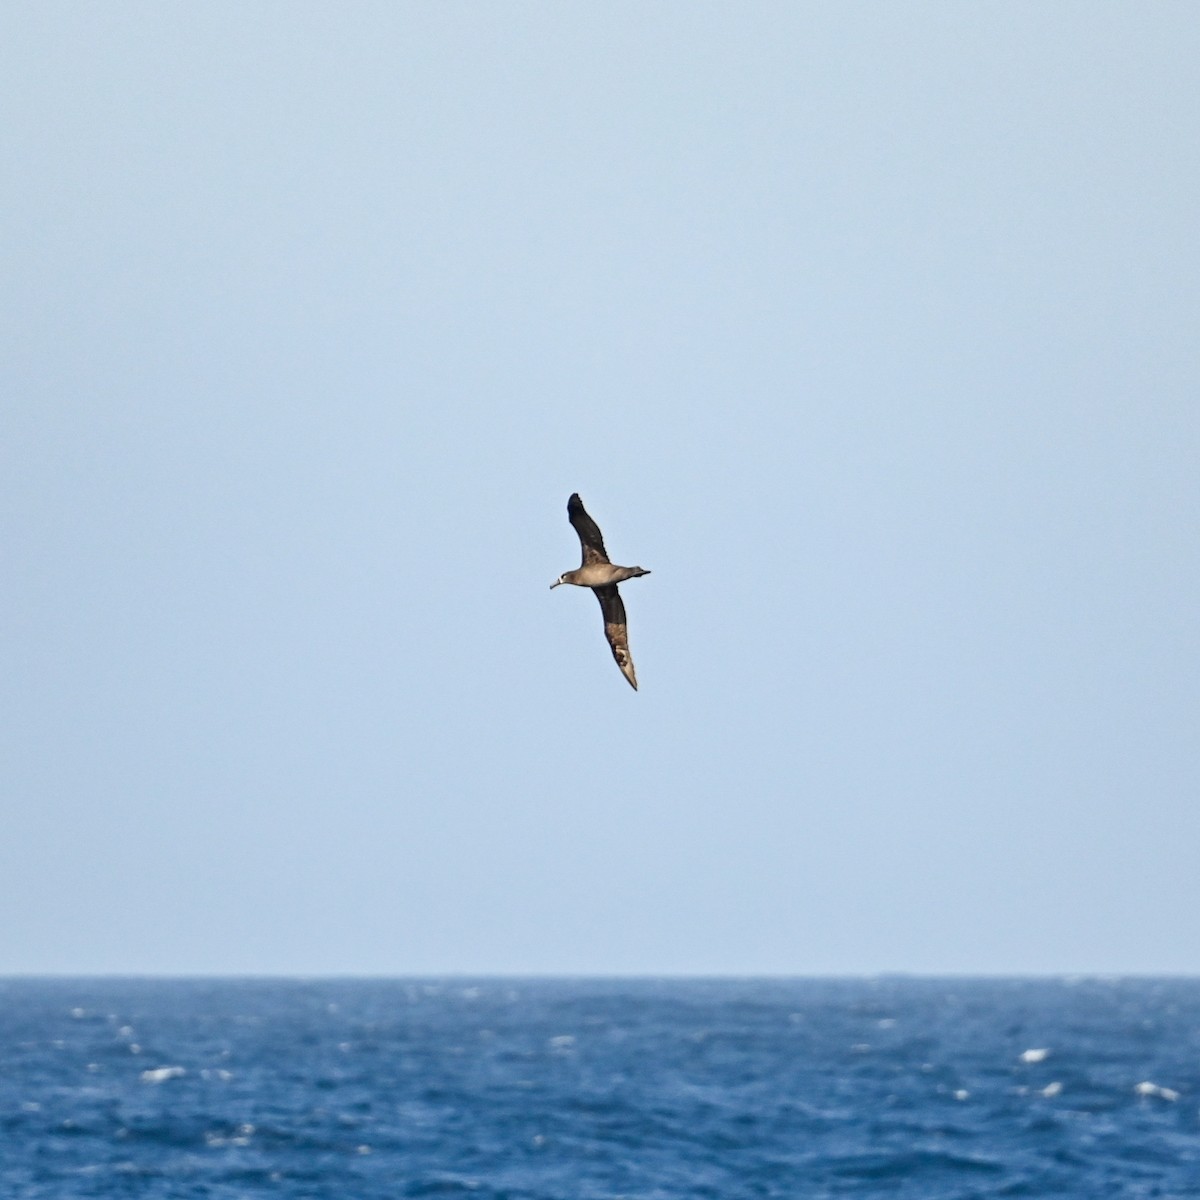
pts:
[602, 576]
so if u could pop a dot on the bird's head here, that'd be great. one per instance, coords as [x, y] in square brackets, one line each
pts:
[560, 579]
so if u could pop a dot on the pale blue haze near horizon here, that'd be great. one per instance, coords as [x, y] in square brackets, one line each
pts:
[871, 330]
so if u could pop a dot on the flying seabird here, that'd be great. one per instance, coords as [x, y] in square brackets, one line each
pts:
[602, 577]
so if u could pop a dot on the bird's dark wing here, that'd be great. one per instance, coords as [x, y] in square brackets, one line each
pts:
[589, 532]
[615, 628]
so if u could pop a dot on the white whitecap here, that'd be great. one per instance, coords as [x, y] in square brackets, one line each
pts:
[1146, 1088]
[1037, 1055]
[1051, 1090]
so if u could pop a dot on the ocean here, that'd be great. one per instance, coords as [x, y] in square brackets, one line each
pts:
[578, 1089]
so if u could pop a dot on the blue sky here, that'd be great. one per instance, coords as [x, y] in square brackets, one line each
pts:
[871, 330]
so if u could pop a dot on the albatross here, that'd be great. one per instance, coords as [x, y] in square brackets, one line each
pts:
[602, 576]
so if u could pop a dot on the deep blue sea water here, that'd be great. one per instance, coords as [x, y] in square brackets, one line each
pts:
[579, 1089]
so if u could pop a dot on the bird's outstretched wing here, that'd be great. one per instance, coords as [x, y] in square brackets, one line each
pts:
[589, 536]
[615, 628]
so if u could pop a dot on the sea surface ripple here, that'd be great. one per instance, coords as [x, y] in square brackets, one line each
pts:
[580, 1089]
